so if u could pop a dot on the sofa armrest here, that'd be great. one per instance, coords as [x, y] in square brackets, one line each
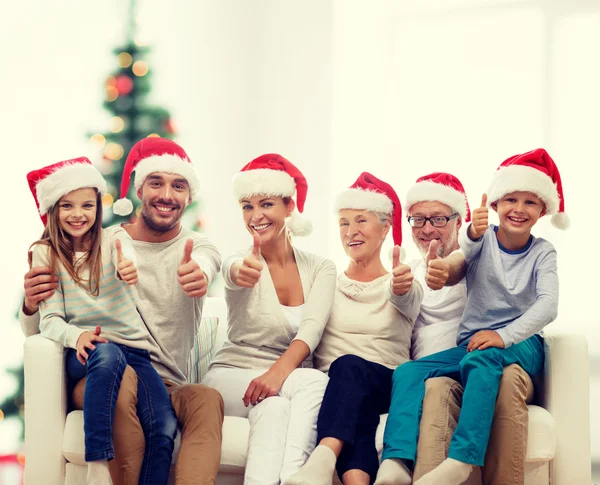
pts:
[45, 411]
[567, 398]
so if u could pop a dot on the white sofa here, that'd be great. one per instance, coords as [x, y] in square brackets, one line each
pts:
[558, 451]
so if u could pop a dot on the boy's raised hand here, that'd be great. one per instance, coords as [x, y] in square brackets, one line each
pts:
[484, 339]
[125, 267]
[438, 270]
[402, 276]
[191, 277]
[249, 271]
[480, 220]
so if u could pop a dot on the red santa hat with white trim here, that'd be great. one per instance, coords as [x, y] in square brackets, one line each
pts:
[440, 187]
[534, 172]
[49, 184]
[150, 155]
[272, 174]
[372, 194]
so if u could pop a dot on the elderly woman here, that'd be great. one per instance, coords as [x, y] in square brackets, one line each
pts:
[278, 299]
[368, 335]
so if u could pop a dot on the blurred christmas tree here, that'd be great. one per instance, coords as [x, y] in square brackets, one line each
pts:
[133, 117]
[12, 406]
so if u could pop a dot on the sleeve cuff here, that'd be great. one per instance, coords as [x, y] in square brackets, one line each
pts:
[308, 337]
[505, 336]
[73, 336]
[205, 265]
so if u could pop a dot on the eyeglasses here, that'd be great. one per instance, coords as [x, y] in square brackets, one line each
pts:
[435, 221]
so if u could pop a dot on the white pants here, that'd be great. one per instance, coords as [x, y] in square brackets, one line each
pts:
[283, 428]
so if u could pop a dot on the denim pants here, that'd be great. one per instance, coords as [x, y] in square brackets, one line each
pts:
[358, 392]
[104, 370]
[479, 372]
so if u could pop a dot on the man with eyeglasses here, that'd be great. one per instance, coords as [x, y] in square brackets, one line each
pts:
[436, 207]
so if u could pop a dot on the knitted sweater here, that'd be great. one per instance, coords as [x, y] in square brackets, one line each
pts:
[369, 321]
[258, 331]
[72, 310]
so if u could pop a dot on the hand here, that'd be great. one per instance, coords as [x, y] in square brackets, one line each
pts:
[479, 224]
[264, 386]
[86, 342]
[484, 339]
[402, 277]
[191, 277]
[438, 270]
[39, 284]
[249, 271]
[125, 267]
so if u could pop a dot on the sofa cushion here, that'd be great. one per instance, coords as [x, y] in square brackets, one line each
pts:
[233, 451]
[203, 350]
[541, 445]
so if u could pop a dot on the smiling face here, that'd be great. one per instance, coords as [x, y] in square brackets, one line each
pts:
[164, 198]
[518, 212]
[265, 215]
[447, 235]
[77, 213]
[362, 233]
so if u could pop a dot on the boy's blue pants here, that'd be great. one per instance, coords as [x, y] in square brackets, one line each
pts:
[479, 372]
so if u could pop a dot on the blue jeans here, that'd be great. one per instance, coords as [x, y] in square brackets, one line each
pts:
[104, 371]
[479, 372]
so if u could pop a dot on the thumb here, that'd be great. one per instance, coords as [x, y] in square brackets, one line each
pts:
[97, 330]
[484, 200]
[30, 258]
[256, 245]
[187, 251]
[120, 256]
[395, 256]
[432, 252]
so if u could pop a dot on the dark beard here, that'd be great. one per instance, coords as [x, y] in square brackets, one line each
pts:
[152, 226]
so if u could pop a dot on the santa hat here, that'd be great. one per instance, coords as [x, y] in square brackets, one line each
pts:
[154, 154]
[535, 172]
[370, 193]
[440, 187]
[50, 183]
[272, 174]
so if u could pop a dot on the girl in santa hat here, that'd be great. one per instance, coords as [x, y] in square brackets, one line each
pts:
[96, 272]
[278, 299]
[367, 336]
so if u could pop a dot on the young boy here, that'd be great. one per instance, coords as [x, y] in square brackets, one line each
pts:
[512, 294]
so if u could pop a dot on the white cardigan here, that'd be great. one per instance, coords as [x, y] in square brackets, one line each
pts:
[257, 330]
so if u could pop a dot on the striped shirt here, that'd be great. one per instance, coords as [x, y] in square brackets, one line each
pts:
[72, 310]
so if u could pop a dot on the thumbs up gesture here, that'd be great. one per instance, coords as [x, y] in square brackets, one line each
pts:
[125, 267]
[191, 277]
[248, 272]
[480, 220]
[402, 277]
[438, 270]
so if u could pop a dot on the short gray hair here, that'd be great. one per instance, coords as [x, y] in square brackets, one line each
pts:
[383, 217]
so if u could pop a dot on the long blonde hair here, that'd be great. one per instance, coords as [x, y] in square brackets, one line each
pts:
[61, 249]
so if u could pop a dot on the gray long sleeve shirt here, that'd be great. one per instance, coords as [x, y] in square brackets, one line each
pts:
[514, 293]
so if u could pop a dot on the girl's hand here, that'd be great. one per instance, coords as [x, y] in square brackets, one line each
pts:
[484, 339]
[85, 342]
[480, 220]
[125, 267]
[264, 386]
